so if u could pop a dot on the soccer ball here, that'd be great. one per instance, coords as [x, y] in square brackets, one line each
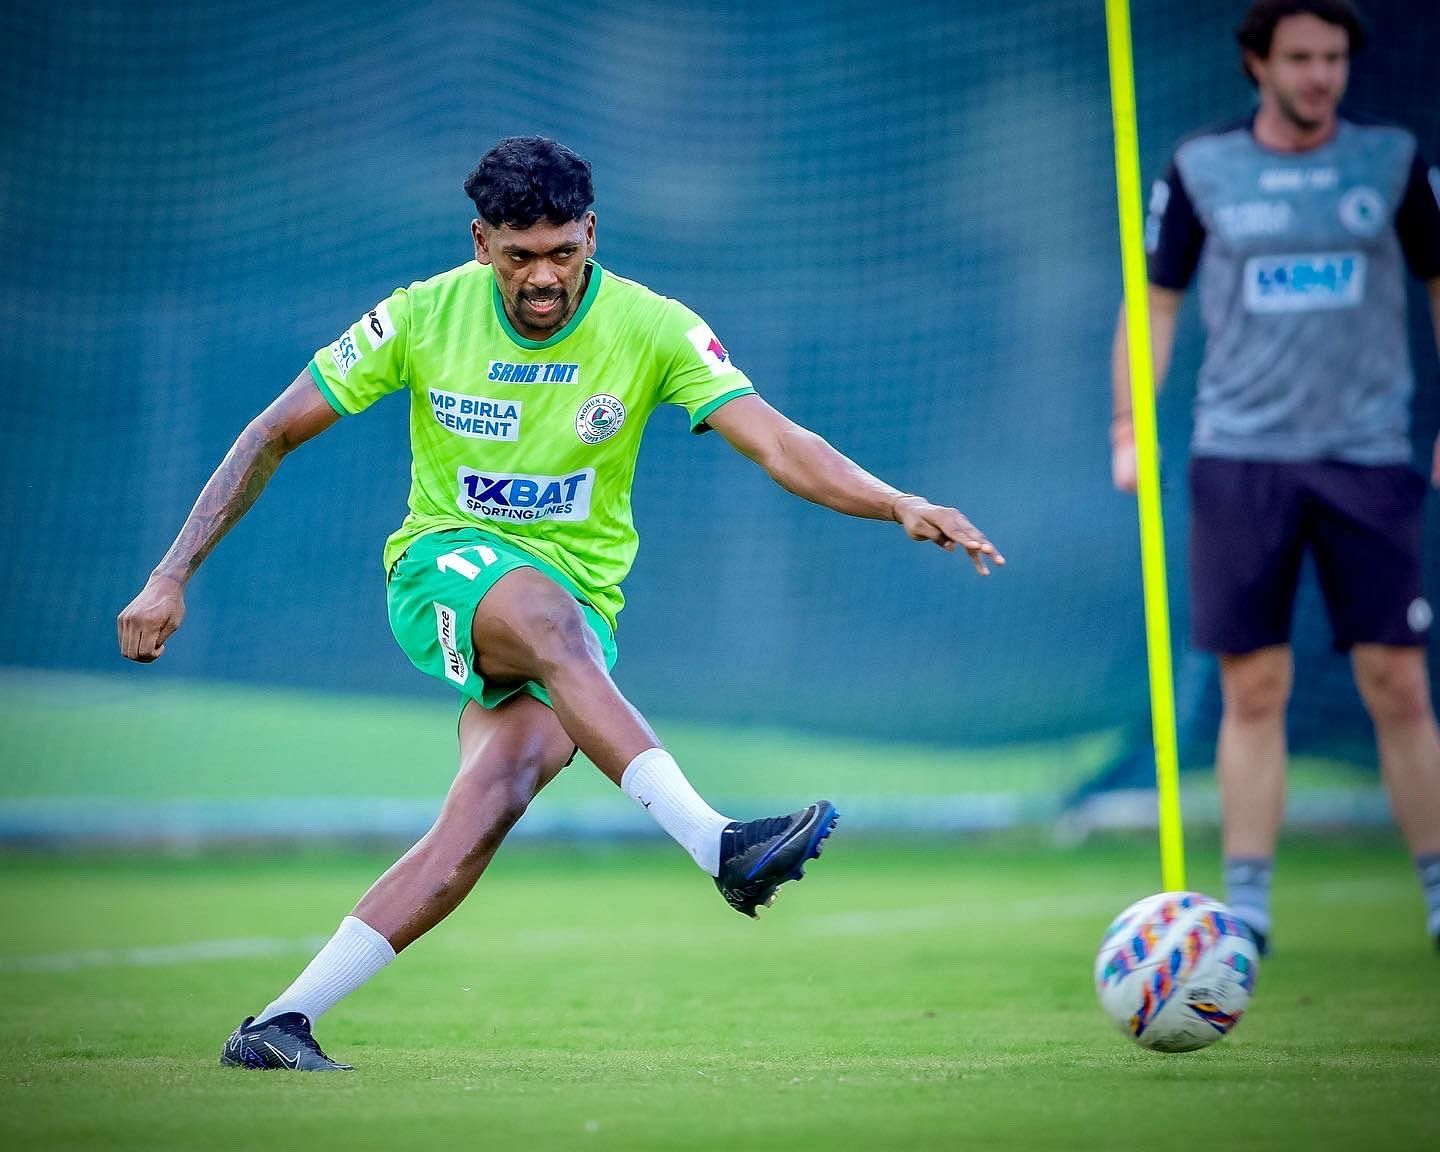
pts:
[1176, 971]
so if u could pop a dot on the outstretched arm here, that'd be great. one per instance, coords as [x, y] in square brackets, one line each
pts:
[805, 464]
[296, 415]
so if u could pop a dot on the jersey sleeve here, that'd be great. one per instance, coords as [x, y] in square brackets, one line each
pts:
[1417, 220]
[1174, 234]
[699, 374]
[371, 357]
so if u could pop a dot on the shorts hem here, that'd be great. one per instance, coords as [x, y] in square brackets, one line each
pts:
[432, 612]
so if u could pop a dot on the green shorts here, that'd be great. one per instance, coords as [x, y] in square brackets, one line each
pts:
[433, 591]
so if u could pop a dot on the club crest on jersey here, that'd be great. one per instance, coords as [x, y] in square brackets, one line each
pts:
[712, 352]
[1362, 210]
[599, 418]
[507, 372]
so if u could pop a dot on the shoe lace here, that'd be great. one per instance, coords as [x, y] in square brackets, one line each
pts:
[758, 831]
[306, 1040]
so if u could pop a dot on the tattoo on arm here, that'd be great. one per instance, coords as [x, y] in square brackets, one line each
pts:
[226, 497]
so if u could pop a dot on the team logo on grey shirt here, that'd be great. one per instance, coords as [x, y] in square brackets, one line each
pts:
[1362, 210]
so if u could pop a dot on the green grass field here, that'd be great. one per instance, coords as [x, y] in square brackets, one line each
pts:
[923, 995]
[915, 993]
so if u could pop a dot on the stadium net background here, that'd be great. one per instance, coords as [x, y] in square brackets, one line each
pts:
[899, 218]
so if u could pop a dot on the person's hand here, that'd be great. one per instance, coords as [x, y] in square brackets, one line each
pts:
[946, 527]
[1123, 470]
[151, 619]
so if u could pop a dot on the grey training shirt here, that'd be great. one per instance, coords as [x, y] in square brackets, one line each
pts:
[1301, 260]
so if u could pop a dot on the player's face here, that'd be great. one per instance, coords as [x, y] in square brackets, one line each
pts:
[540, 270]
[1307, 70]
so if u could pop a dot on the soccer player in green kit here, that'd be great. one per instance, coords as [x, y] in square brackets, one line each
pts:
[531, 372]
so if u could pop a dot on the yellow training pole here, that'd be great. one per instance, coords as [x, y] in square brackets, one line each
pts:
[1147, 452]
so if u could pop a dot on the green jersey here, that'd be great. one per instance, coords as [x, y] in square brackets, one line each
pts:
[533, 440]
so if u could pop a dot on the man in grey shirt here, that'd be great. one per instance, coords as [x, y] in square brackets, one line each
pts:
[1299, 225]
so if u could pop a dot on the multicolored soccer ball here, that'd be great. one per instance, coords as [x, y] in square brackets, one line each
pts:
[1176, 971]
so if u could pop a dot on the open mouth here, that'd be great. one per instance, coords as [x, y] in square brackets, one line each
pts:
[543, 305]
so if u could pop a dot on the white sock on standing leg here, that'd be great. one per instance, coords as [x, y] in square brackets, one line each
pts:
[354, 954]
[654, 781]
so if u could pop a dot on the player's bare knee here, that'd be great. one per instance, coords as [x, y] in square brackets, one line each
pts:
[1395, 691]
[1255, 704]
[510, 800]
[501, 807]
[1258, 694]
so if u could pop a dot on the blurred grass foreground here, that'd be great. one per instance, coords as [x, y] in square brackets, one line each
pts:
[88, 759]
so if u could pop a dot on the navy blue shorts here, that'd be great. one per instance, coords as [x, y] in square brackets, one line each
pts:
[1253, 521]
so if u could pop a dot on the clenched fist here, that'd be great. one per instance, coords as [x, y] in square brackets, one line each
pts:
[151, 619]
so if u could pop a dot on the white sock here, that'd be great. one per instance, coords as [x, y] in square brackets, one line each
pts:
[354, 954]
[654, 781]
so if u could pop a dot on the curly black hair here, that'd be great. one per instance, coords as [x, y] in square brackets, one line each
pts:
[1257, 27]
[524, 178]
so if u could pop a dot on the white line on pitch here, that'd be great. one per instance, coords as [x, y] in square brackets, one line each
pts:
[193, 952]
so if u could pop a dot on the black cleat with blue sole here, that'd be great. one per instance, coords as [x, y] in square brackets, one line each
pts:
[283, 1041]
[758, 856]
